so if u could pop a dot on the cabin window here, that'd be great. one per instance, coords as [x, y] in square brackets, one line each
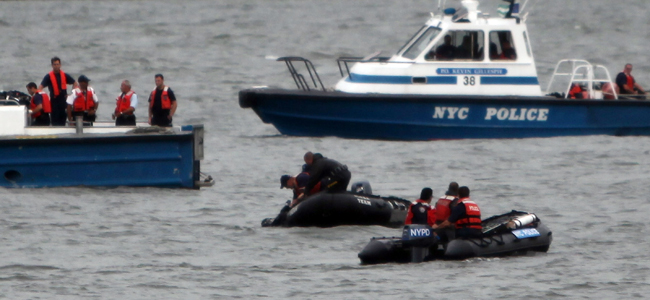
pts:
[421, 43]
[501, 46]
[458, 45]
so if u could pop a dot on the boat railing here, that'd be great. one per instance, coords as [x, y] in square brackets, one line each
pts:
[298, 78]
[372, 58]
[582, 71]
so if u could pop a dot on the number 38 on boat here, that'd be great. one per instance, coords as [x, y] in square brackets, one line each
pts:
[464, 74]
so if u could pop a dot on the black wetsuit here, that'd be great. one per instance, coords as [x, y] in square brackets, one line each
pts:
[336, 175]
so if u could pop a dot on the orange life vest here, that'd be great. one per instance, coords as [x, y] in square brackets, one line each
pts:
[124, 102]
[84, 101]
[47, 106]
[164, 98]
[64, 83]
[443, 211]
[630, 82]
[472, 216]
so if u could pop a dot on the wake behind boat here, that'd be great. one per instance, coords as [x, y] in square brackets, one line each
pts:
[463, 75]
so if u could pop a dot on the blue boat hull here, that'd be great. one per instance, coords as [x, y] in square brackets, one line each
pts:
[160, 160]
[431, 117]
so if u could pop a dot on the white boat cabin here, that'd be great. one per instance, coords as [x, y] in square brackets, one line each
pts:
[456, 53]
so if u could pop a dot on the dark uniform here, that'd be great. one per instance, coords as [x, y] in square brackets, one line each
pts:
[335, 175]
[160, 116]
[44, 118]
[468, 225]
[59, 114]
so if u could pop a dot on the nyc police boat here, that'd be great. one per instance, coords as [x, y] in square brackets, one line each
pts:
[462, 75]
[101, 155]
[513, 233]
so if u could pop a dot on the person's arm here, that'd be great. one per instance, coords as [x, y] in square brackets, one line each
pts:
[639, 88]
[456, 212]
[38, 100]
[96, 100]
[172, 110]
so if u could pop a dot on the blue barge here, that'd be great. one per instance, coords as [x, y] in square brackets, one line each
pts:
[35, 157]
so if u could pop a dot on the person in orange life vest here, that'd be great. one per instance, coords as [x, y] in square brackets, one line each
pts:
[125, 106]
[83, 101]
[626, 82]
[162, 103]
[421, 211]
[57, 81]
[40, 106]
[578, 92]
[466, 216]
[444, 204]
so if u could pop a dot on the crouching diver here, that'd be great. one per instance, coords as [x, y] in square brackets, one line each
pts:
[421, 211]
[466, 216]
[297, 184]
[332, 175]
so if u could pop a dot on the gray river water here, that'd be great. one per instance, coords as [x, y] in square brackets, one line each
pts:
[148, 243]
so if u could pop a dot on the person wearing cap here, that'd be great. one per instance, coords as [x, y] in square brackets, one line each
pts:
[83, 101]
[162, 103]
[421, 211]
[57, 82]
[296, 183]
[465, 216]
[125, 106]
[39, 106]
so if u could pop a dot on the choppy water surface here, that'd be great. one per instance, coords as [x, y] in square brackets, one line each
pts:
[146, 243]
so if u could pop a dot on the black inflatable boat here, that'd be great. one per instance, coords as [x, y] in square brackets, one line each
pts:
[336, 209]
[513, 233]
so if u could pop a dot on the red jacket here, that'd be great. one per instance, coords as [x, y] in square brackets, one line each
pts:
[443, 209]
[47, 106]
[472, 216]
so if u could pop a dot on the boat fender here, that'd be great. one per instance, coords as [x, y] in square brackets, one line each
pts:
[522, 221]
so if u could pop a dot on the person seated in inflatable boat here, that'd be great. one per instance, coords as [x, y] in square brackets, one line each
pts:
[466, 216]
[421, 211]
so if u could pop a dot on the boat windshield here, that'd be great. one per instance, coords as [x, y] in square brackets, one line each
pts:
[421, 43]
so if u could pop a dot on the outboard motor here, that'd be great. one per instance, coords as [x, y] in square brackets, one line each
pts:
[420, 239]
[361, 188]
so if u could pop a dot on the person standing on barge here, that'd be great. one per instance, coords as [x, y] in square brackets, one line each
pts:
[83, 101]
[40, 106]
[162, 104]
[57, 81]
[125, 106]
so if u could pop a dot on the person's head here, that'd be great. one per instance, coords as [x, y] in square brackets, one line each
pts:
[453, 189]
[447, 39]
[125, 87]
[287, 181]
[426, 194]
[83, 82]
[309, 158]
[160, 80]
[32, 88]
[463, 192]
[56, 64]
[628, 69]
